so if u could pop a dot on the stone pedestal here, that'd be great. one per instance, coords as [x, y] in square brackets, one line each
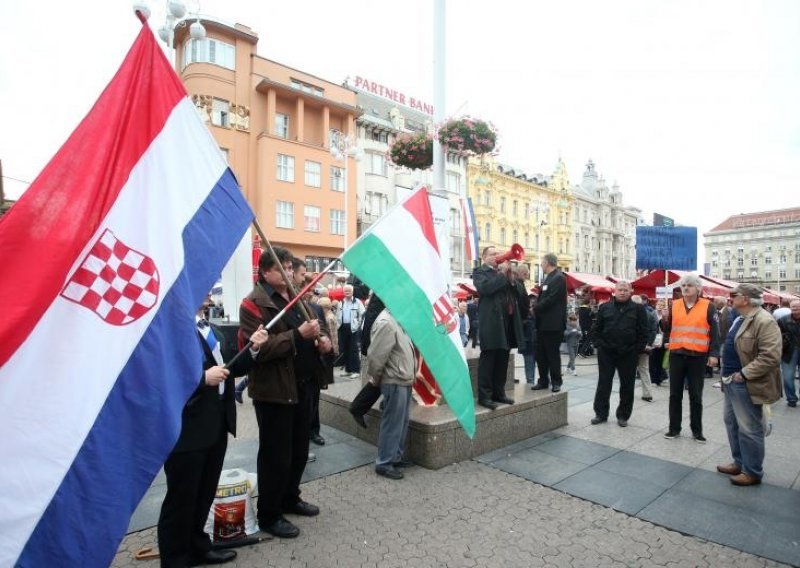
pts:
[435, 439]
[472, 364]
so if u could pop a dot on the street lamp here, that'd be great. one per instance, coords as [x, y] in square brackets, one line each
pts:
[175, 11]
[343, 147]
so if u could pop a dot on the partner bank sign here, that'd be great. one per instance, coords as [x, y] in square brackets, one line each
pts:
[399, 97]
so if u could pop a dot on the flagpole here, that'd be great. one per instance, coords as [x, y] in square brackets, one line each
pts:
[286, 308]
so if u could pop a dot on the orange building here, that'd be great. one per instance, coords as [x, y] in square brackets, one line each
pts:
[275, 124]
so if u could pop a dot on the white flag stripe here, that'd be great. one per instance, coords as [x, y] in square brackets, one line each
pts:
[50, 378]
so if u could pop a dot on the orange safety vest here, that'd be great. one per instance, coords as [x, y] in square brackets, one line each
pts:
[690, 330]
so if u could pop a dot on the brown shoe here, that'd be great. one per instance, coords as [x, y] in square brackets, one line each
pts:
[729, 469]
[744, 479]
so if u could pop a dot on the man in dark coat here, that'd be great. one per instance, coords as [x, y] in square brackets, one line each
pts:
[194, 466]
[620, 333]
[500, 327]
[472, 314]
[282, 384]
[551, 321]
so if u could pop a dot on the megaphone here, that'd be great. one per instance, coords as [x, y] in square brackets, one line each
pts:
[516, 253]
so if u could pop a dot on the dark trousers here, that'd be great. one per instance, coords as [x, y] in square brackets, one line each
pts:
[492, 372]
[657, 372]
[691, 368]
[608, 363]
[314, 409]
[192, 479]
[548, 357]
[348, 347]
[473, 333]
[283, 431]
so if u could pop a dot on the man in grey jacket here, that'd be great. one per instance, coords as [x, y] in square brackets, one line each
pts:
[392, 365]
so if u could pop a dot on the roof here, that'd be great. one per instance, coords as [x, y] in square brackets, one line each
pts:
[760, 219]
[595, 282]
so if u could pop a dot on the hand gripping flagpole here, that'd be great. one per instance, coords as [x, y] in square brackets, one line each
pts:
[297, 297]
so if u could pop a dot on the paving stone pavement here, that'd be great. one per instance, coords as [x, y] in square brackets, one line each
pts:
[467, 514]
[475, 514]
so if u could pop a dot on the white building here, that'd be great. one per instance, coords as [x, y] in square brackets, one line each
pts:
[605, 229]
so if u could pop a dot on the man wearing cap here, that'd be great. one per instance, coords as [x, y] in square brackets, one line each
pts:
[751, 377]
[790, 332]
[693, 343]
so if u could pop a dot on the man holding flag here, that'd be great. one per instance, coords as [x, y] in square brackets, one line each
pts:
[130, 203]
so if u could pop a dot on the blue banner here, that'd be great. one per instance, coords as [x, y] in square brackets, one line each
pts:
[671, 248]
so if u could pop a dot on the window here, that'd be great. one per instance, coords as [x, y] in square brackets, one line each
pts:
[281, 125]
[453, 182]
[337, 178]
[796, 273]
[753, 261]
[209, 50]
[337, 222]
[739, 262]
[313, 174]
[284, 215]
[311, 215]
[781, 273]
[376, 203]
[285, 167]
[220, 113]
[527, 240]
[502, 205]
[740, 274]
[767, 259]
[487, 232]
[376, 164]
[306, 88]
[487, 198]
[515, 210]
[715, 253]
[455, 222]
[782, 259]
[768, 275]
[379, 136]
[514, 235]
[754, 274]
[797, 257]
[503, 236]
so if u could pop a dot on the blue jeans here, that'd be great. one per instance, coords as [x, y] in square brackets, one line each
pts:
[530, 367]
[572, 350]
[788, 371]
[743, 421]
[394, 424]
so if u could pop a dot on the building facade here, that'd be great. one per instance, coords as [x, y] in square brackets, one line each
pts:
[380, 184]
[761, 248]
[514, 207]
[275, 125]
[604, 232]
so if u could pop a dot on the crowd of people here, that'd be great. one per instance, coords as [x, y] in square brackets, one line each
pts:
[284, 370]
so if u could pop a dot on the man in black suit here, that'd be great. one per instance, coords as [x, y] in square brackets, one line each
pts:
[551, 321]
[472, 314]
[500, 327]
[194, 466]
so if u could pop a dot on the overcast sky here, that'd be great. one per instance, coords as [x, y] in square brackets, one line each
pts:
[691, 106]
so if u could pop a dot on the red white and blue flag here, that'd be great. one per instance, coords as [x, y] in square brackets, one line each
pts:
[470, 233]
[106, 259]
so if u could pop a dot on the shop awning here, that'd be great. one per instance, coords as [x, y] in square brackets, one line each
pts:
[593, 282]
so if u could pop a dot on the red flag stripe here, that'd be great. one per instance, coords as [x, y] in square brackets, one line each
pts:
[420, 208]
[74, 192]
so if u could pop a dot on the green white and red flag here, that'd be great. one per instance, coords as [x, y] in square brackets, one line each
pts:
[398, 257]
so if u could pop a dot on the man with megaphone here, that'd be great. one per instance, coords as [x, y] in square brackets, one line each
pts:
[501, 324]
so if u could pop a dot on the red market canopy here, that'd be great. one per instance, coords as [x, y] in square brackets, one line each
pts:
[648, 283]
[775, 297]
[593, 282]
[466, 290]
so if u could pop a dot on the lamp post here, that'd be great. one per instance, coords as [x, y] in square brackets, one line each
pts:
[343, 147]
[175, 12]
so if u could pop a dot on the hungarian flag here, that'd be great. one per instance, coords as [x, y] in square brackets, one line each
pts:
[106, 259]
[399, 259]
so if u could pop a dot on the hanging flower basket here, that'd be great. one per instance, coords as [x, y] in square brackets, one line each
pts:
[412, 151]
[468, 136]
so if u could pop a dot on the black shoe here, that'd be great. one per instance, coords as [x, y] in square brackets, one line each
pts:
[487, 404]
[538, 387]
[647, 398]
[670, 435]
[389, 471]
[792, 403]
[556, 388]
[598, 420]
[317, 439]
[622, 422]
[503, 400]
[403, 463]
[359, 418]
[699, 438]
[303, 509]
[281, 528]
[213, 557]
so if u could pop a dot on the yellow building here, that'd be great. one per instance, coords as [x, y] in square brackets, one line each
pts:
[514, 207]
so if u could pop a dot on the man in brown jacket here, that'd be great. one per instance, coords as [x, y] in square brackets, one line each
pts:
[282, 383]
[751, 378]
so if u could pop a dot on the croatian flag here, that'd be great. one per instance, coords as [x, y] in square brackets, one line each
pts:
[106, 259]
[470, 234]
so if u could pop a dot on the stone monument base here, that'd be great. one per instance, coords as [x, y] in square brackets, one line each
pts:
[435, 439]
